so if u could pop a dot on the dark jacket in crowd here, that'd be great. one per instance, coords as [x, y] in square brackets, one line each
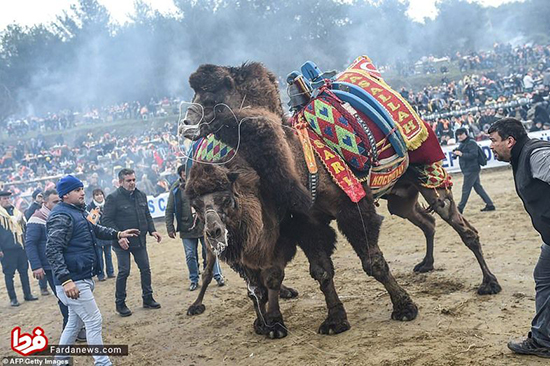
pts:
[469, 159]
[534, 193]
[31, 210]
[35, 240]
[71, 243]
[124, 210]
[179, 206]
[7, 239]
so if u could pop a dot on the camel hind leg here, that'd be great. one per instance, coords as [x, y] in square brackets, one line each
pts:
[318, 243]
[361, 226]
[404, 203]
[441, 201]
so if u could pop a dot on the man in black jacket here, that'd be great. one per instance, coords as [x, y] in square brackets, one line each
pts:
[190, 229]
[127, 208]
[12, 254]
[468, 152]
[530, 159]
[71, 252]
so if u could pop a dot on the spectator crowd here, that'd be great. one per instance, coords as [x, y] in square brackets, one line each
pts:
[483, 95]
[32, 164]
[65, 119]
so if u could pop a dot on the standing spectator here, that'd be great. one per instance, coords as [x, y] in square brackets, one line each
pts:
[528, 82]
[190, 230]
[93, 184]
[35, 245]
[12, 254]
[37, 200]
[126, 208]
[530, 159]
[95, 210]
[70, 249]
[468, 152]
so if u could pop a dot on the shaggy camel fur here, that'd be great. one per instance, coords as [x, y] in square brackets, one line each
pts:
[245, 232]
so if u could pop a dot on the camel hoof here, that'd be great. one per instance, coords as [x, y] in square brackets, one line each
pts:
[196, 309]
[423, 267]
[331, 326]
[276, 331]
[489, 288]
[406, 313]
[288, 293]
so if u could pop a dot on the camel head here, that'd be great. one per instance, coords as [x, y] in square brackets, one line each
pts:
[211, 191]
[221, 89]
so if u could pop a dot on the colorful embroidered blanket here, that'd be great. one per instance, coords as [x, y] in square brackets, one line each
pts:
[211, 150]
[339, 131]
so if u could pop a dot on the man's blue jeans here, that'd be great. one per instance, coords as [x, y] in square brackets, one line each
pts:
[107, 265]
[83, 312]
[192, 258]
[540, 326]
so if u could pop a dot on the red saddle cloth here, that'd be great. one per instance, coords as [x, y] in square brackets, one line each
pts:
[429, 152]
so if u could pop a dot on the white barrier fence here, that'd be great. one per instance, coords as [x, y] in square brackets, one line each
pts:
[157, 205]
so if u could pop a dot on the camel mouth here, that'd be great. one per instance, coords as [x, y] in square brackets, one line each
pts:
[217, 246]
[192, 132]
[220, 243]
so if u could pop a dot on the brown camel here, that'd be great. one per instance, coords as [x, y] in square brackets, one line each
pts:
[244, 231]
[241, 106]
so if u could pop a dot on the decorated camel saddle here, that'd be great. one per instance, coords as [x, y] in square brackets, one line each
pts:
[361, 129]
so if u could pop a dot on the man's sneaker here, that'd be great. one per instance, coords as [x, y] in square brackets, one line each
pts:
[221, 282]
[488, 208]
[111, 276]
[14, 302]
[123, 310]
[150, 303]
[101, 279]
[31, 298]
[193, 286]
[44, 292]
[81, 337]
[529, 347]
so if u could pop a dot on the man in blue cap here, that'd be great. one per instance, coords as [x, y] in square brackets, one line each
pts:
[71, 252]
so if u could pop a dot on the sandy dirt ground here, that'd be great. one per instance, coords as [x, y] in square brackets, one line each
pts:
[455, 326]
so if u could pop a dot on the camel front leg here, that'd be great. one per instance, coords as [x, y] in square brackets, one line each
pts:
[272, 278]
[198, 307]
